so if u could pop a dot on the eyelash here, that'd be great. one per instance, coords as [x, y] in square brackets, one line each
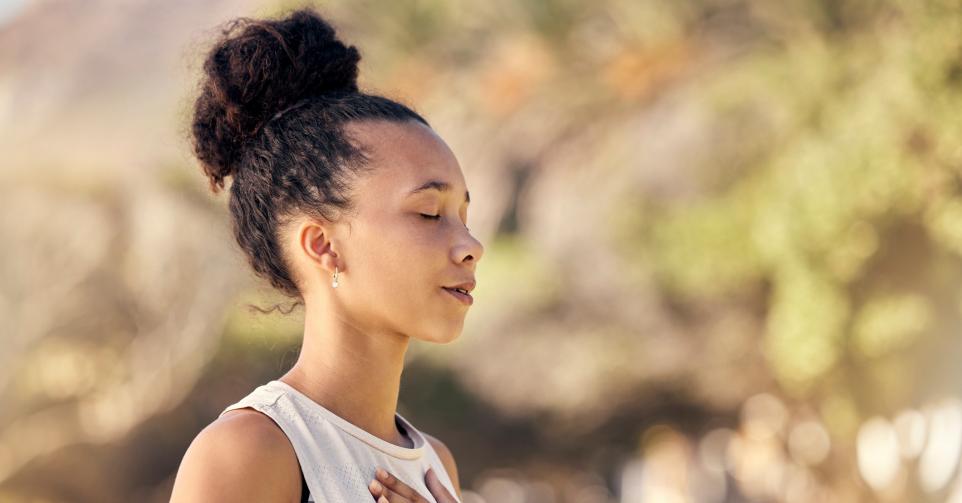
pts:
[436, 217]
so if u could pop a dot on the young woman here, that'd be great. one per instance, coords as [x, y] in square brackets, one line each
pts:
[352, 204]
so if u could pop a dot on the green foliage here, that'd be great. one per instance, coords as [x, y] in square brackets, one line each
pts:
[865, 130]
[888, 323]
[513, 278]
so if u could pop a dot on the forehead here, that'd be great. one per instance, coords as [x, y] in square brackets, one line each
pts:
[403, 156]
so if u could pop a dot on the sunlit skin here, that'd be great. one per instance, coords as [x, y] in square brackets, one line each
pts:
[392, 262]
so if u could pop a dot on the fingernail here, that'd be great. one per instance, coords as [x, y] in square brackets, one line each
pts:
[382, 499]
[375, 485]
[381, 473]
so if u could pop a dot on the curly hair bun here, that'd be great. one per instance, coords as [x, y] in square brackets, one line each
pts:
[257, 69]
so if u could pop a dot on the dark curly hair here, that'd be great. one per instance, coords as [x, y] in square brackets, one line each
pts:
[274, 98]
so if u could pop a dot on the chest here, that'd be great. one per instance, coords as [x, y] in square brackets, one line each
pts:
[348, 481]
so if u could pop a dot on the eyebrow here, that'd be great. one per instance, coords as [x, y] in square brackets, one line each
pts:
[439, 186]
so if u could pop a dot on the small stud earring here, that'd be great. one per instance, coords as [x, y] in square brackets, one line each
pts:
[334, 284]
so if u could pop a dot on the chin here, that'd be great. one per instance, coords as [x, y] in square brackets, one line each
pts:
[448, 335]
[450, 338]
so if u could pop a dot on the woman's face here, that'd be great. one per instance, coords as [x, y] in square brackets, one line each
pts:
[393, 260]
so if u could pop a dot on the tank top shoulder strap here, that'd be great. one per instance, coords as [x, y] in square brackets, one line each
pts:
[264, 399]
[260, 398]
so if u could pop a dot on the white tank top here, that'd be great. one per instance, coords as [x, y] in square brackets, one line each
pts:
[338, 458]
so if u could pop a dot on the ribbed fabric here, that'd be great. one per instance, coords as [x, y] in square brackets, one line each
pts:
[338, 458]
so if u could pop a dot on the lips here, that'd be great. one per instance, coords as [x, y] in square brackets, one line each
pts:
[463, 297]
[466, 286]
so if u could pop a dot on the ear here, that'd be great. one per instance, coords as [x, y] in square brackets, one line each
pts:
[314, 239]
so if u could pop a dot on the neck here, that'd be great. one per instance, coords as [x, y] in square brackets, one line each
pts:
[354, 373]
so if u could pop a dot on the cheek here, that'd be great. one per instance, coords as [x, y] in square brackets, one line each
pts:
[398, 262]
[399, 249]
[402, 268]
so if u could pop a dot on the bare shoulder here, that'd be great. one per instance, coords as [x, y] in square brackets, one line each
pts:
[447, 459]
[241, 456]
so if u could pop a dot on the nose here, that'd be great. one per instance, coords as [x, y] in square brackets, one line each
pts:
[470, 250]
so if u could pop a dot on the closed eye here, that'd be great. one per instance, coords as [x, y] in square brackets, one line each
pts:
[437, 217]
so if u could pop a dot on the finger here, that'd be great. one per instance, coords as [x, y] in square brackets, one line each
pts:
[376, 489]
[390, 496]
[438, 490]
[382, 494]
[393, 484]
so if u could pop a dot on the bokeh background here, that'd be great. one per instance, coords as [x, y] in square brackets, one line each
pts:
[722, 238]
